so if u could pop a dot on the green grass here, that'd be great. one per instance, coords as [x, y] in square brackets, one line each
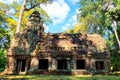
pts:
[58, 77]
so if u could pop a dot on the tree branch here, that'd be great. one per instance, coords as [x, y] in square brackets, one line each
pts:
[32, 6]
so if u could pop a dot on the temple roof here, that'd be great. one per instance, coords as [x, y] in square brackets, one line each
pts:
[77, 41]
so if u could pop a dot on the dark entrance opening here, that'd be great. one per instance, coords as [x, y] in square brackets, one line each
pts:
[80, 64]
[21, 63]
[62, 64]
[43, 64]
[99, 65]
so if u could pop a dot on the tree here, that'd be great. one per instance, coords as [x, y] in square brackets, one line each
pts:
[2, 59]
[31, 4]
[12, 19]
[4, 35]
[114, 16]
[92, 16]
[3, 14]
[98, 18]
[4, 38]
[20, 16]
[78, 27]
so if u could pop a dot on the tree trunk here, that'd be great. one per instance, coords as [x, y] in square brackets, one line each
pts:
[114, 26]
[116, 35]
[114, 23]
[20, 16]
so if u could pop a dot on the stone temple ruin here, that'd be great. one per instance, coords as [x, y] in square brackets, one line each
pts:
[34, 52]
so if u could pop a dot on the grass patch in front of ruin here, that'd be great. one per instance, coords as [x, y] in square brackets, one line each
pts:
[59, 77]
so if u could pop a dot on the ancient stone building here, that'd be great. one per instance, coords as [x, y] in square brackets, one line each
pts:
[34, 52]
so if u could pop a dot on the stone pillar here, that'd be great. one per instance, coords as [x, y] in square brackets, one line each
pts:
[11, 65]
[27, 64]
[34, 64]
[73, 64]
[107, 65]
[68, 65]
[87, 64]
[52, 64]
[92, 65]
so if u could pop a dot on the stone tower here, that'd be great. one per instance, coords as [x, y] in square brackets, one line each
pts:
[35, 23]
[24, 43]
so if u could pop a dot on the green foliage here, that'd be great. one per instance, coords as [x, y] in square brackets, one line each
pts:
[115, 60]
[92, 16]
[2, 59]
[70, 30]
[61, 77]
[35, 3]
[12, 23]
[4, 38]
[9, 19]
[3, 33]
[3, 47]
[3, 9]
[114, 12]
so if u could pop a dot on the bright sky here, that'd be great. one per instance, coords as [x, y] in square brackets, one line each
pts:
[61, 12]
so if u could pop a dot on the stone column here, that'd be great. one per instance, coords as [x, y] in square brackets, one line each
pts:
[68, 65]
[73, 64]
[11, 65]
[34, 64]
[52, 64]
[27, 64]
[87, 64]
[92, 65]
[107, 66]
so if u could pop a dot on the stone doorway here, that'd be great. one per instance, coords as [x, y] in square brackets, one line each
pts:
[62, 64]
[43, 64]
[99, 65]
[21, 64]
[80, 64]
